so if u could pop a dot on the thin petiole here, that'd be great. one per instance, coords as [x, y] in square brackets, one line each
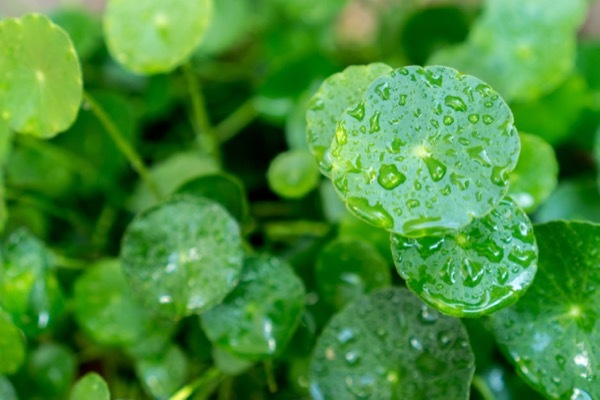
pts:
[236, 121]
[205, 384]
[122, 144]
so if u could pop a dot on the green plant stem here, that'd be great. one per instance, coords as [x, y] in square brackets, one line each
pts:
[236, 121]
[205, 133]
[105, 222]
[207, 383]
[271, 383]
[482, 388]
[70, 263]
[122, 144]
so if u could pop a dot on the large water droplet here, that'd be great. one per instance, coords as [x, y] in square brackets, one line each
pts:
[346, 335]
[402, 100]
[448, 120]
[374, 123]
[375, 214]
[415, 343]
[352, 358]
[383, 90]
[357, 112]
[456, 103]
[499, 176]
[428, 315]
[488, 119]
[390, 177]
[437, 170]
[473, 118]
[479, 155]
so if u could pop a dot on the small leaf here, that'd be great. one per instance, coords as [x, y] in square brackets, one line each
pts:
[388, 345]
[426, 150]
[572, 200]
[51, 369]
[163, 375]
[29, 290]
[347, 269]
[90, 387]
[336, 94]
[257, 319]
[292, 174]
[104, 306]
[536, 175]
[153, 36]
[552, 334]
[182, 256]
[41, 89]
[476, 270]
[7, 391]
[12, 346]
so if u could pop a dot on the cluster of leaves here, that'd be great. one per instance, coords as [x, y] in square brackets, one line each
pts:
[353, 227]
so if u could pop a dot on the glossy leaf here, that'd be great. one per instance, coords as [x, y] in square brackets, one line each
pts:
[90, 387]
[536, 175]
[41, 89]
[223, 188]
[171, 173]
[426, 150]
[182, 256]
[552, 334]
[12, 345]
[104, 307]
[51, 369]
[7, 391]
[336, 94]
[389, 345]
[163, 375]
[151, 36]
[477, 270]
[572, 200]
[228, 25]
[522, 47]
[292, 174]
[257, 319]
[29, 290]
[347, 269]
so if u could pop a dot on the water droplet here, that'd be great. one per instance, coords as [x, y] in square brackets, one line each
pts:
[448, 120]
[431, 78]
[434, 123]
[352, 358]
[580, 394]
[488, 104]
[415, 344]
[357, 112]
[473, 118]
[437, 170]
[459, 181]
[402, 100]
[316, 104]
[456, 103]
[499, 176]
[488, 119]
[418, 112]
[402, 71]
[374, 123]
[396, 145]
[444, 339]
[383, 90]
[413, 203]
[479, 155]
[346, 335]
[428, 315]
[341, 136]
[390, 177]
[375, 214]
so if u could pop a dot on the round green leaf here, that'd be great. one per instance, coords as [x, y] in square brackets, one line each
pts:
[337, 93]
[292, 174]
[182, 256]
[225, 189]
[51, 368]
[41, 89]
[12, 346]
[7, 391]
[536, 174]
[153, 36]
[163, 375]
[522, 47]
[553, 333]
[90, 387]
[103, 306]
[347, 269]
[29, 290]
[476, 270]
[389, 345]
[257, 319]
[572, 200]
[426, 150]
